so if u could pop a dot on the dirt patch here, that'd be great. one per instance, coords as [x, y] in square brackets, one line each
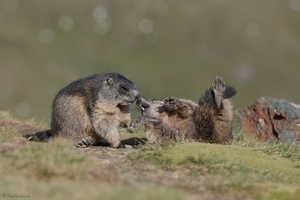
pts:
[20, 127]
[139, 173]
[119, 167]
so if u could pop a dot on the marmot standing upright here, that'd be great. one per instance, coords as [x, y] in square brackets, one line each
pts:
[91, 109]
[172, 118]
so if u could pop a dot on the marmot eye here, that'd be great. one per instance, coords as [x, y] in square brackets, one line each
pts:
[125, 88]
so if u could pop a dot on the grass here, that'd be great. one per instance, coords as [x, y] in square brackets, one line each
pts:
[47, 162]
[246, 169]
[263, 170]
[281, 149]
[55, 171]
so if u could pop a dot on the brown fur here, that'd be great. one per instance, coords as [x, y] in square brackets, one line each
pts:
[91, 109]
[172, 118]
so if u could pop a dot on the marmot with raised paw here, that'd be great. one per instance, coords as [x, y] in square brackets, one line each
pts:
[174, 119]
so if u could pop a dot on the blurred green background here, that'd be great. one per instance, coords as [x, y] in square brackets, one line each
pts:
[168, 48]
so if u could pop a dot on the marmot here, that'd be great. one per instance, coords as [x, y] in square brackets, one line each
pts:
[91, 109]
[172, 118]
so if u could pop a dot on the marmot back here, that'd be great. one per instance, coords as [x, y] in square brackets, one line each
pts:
[172, 118]
[91, 109]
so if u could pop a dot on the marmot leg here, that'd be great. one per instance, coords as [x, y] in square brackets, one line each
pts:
[106, 128]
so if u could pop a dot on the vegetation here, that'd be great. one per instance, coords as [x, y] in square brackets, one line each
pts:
[168, 48]
[55, 170]
[186, 170]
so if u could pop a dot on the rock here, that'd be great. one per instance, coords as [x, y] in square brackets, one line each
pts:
[127, 146]
[271, 119]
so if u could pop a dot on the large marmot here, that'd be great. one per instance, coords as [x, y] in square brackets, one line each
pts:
[91, 109]
[173, 119]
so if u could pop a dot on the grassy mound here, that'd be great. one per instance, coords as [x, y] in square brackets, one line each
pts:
[55, 170]
[188, 170]
[263, 170]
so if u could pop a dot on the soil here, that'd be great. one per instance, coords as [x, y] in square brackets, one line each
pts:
[121, 168]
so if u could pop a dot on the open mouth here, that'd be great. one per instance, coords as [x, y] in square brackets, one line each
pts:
[142, 104]
[141, 107]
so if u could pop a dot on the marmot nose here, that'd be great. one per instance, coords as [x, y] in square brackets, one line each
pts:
[138, 96]
[138, 101]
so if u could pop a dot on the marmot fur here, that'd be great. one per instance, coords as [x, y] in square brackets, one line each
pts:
[172, 118]
[91, 109]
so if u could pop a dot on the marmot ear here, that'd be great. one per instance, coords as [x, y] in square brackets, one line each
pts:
[183, 108]
[110, 81]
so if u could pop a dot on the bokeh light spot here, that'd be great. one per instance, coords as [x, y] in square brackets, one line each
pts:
[66, 23]
[100, 14]
[146, 26]
[102, 19]
[294, 5]
[46, 36]
[23, 109]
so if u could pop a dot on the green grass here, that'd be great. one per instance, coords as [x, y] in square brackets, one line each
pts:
[10, 127]
[263, 170]
[56, 170]
[47, 162]
[281, 149]
[83, 190]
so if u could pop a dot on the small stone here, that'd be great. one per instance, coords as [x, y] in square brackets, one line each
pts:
[128, 146]
[105, 162]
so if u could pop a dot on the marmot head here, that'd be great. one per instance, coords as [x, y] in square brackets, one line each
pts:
[151, 108]
[166, 108]
[120, 89]
[170, 118]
